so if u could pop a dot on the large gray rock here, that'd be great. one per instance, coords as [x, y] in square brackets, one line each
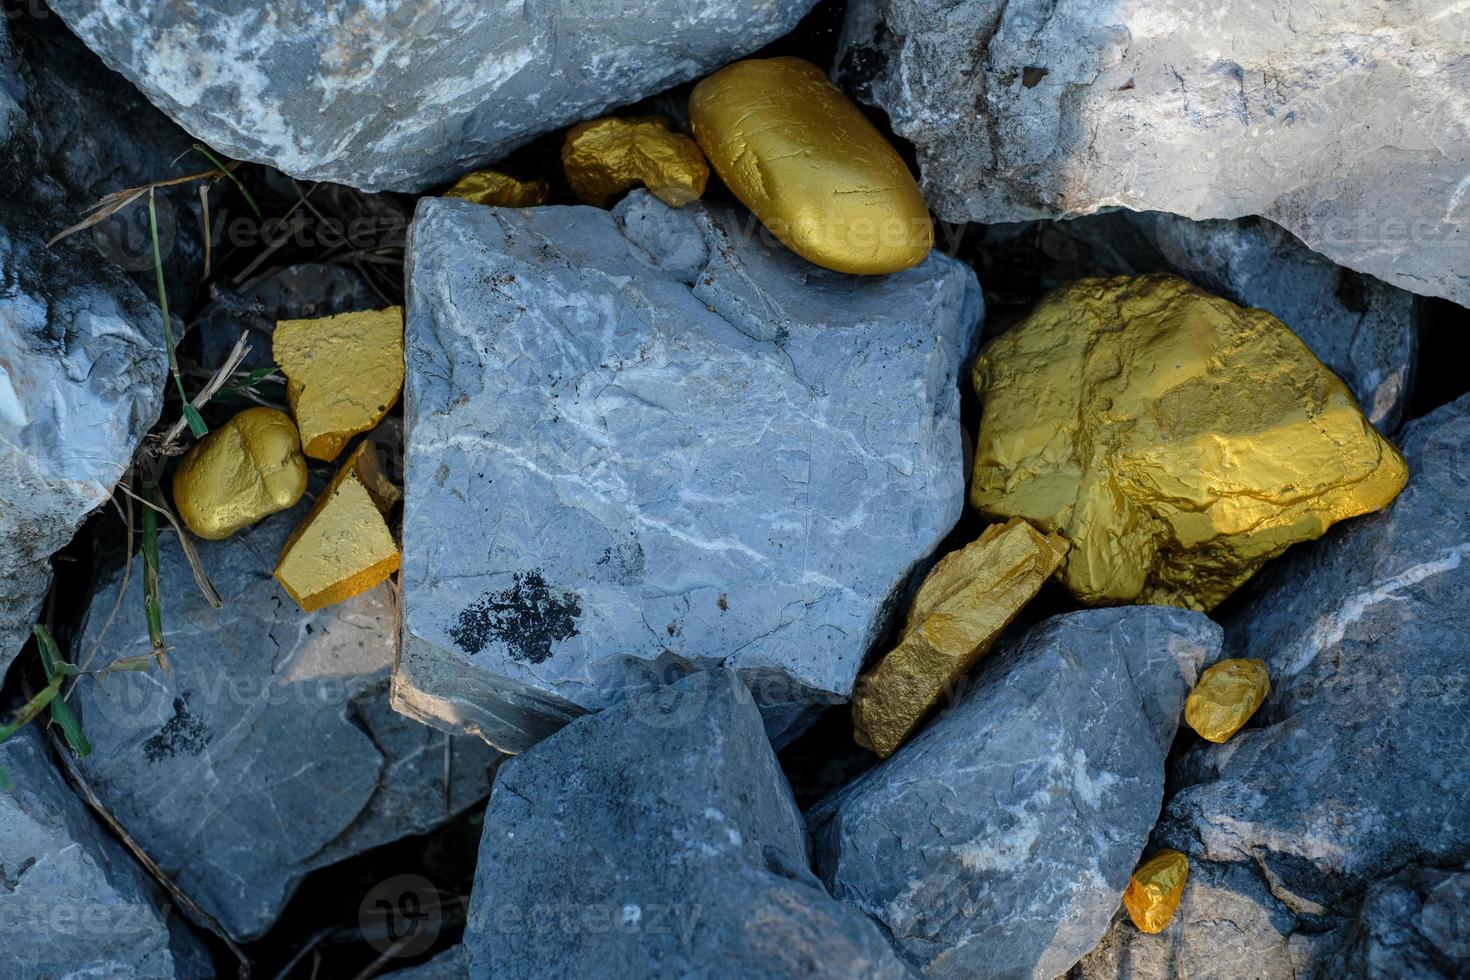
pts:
[1354, 769]
[73, 902]
[998, 841]
[403, 96]
[658, 839]
[1346, 123]
[644, 441]
[270, 748]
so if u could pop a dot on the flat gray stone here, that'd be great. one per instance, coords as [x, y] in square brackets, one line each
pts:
[270, 749]
[404, 96]
[642, 442]
[998, 842]
[73, 902]
[1346, 124]
[659, 839]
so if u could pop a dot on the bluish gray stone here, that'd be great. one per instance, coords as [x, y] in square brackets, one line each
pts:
[404, 96]
[999, 840]
[646, 441]
[659, 839]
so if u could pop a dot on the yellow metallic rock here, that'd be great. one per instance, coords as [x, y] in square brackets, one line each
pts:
[343, 547]
[1153, 893]
[964, 603]
[243, 471]
[343, 374]
[805, 159]
[605, 157]
[1227, 694]
[493, 188]
[1176, 440]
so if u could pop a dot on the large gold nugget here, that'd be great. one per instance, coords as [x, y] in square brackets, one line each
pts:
[805, 159]
[343, 374]
[1226, 696]
[1176, 440]
[343, 547]
[245, 470]
[1154, 891]
[493, 188]
[605, 157]
[969, 597]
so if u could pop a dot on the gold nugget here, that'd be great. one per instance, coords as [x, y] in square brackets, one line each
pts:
[343, 547]
[1226, 696]
[1176, 440]
[1154, 891]
[343, 374]
[605, 157]
[498, 190]
[245, 470]
[805, 159]
[970, 596]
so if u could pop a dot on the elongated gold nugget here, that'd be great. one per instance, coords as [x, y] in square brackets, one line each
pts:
[1154, 891]
[1227, 694]
[247, 469]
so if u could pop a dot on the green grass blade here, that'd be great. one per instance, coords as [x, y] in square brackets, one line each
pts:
[152, 603]
[32, 708]
[5, 783]
[57, 669]
[220, 164]
[196, 421]
[168, 329]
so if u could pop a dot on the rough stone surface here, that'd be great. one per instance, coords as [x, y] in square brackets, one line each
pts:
[1348, 124]
[270, 749]
[73, 902]
[658, 839]
[641, 441]
[1353, 770]
[405, 96]
[998, 842]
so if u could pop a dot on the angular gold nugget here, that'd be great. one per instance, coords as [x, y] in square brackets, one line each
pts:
[343, 547]
[969, 597]
[605, 157]
[805, 159]
[245, 470]
[1176, 440]
[1153, 893]
[498, 190]
[343, 374]
[1227, 694]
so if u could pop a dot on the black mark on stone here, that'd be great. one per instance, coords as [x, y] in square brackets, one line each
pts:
[723, 602]
[181, 733]
[1032, 75]
[528, 618]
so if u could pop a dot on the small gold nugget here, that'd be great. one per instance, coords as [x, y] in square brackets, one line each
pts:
[245, 470]
[498, 190]
[605, 157]
[343, 374]
[969, 597]
[805, 159]
[343, 547]
[1226, 696]
[1153, 893]
[1176, 440]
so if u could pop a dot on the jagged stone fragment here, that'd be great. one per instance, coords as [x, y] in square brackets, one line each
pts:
[1227, 694]
[1154, 890]
[605, 157]
[493, 188]
[1176, 440]
[805, 159]
[343, 374]
[243, 471]
[970, 596]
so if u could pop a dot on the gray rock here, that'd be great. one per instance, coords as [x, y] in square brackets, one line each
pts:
[658, 839]
[73, 902]
[998, 841]
[645, 441]
[270, 749]
[405, 96]
[1345, 124]
[1412, 925]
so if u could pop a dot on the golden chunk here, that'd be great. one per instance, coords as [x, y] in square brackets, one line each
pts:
[246, 470]
[493, 188]
[964, 603]
[343, 374]
[605, 157]
[1155, 889]
[1227, 694]
[1176, 440]
[805, 159]
[343, 547]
